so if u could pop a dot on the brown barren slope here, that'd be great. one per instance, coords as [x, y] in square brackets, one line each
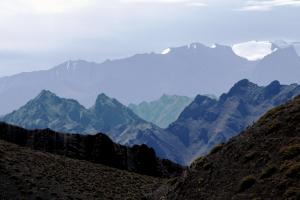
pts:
[29, 174]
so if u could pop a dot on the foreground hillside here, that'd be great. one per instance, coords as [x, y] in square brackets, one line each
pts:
[261, 163]
[28, 174]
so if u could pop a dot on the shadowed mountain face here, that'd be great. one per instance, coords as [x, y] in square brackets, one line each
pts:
[263, 162]
[109, 113]
[207, 122]
[94, 148]
[148, 76]
[163, 111]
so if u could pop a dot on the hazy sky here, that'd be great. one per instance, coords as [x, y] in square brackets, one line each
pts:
[38, 34]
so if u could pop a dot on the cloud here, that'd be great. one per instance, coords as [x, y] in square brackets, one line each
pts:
[267, 5]
[196, 3]
[15, 7]
[12, 7]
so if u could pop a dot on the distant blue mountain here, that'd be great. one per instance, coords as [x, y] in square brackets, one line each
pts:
[66, 115]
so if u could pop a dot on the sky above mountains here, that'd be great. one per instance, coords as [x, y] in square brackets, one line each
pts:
[38, 34]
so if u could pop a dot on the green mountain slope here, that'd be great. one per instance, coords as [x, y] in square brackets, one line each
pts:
[163, 111]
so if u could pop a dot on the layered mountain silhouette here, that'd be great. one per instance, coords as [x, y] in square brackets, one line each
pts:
[97, 148]
[163, 111]
[144, 77]
[263, 162]
[203, 124]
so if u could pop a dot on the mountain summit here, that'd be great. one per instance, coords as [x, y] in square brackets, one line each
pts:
[50, 111]
[66, 115]
[109, 113]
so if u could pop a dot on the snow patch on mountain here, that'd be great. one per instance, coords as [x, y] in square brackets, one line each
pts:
[253, 50]
[166, 51]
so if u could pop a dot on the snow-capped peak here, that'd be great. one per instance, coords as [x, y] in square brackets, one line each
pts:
[253, 50]
[166, 51]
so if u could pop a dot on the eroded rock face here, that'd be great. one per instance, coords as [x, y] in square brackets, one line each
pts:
[97, 148]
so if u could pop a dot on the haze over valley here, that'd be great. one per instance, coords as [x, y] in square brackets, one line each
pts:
[149, 100]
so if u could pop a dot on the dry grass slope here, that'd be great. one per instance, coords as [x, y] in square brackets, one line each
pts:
[29, 174]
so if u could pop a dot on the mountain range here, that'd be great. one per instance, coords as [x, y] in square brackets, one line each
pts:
[66, 115]
[186, 70]
[203, 124]
[163, 111]
[262, 162]
[107, 115]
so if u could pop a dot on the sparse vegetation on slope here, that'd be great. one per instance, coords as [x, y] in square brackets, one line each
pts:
[29, 174]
